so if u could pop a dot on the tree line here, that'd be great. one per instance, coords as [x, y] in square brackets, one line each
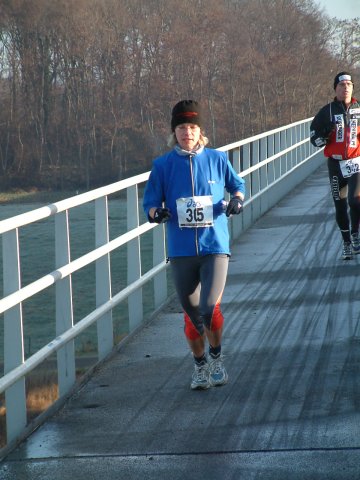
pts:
[87, 86]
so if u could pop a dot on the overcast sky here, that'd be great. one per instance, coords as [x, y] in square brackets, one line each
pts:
[342, 9]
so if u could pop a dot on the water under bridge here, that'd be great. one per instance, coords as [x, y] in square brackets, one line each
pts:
[291, 343]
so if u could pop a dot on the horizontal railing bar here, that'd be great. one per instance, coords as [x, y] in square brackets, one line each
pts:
[49, 279]
[278, 180]
[63, 272]
[272, 158]
[271, 142]
[32, 362]
[245, 141]
[78, 200]
[71, 202]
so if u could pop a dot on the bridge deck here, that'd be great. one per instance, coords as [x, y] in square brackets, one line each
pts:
[292, 405]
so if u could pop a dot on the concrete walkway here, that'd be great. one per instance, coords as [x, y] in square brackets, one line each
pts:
[291, 409]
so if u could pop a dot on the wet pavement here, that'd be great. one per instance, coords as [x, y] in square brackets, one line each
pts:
[291, 409]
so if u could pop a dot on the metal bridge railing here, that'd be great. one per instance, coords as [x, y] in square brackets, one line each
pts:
[272, 163]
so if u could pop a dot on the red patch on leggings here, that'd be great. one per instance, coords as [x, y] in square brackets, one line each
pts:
[217, 322]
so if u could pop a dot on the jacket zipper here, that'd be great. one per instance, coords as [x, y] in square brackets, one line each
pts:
[193, 193]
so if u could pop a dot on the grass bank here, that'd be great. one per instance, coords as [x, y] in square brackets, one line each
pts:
[41, 392]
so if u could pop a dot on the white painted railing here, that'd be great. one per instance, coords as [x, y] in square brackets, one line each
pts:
[271, 163]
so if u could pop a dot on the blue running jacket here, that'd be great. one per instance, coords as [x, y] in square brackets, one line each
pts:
[207, 173]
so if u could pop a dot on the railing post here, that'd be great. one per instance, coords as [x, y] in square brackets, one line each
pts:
[236, 160]
[103, 278]
[270, 152]
[237, 220]
[302, 137]
[15, 396]
[310, 147]
[245, 164]
[305, 151]
[255, 179]
[283, 146]
[277, 163]
[294, 151]
[134, 259]
[246, 156]
[288, 137]
[159, 255]
[298, 149]
[64, 306]
[263, 154]
[255, 176]
[294, 139]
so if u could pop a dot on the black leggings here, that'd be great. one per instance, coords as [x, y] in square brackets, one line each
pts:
[338, 185]
[200, 282]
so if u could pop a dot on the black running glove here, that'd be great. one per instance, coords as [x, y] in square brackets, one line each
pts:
[162, 215]
[234, 207]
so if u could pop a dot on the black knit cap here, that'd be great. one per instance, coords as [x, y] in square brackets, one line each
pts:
[341, 77]
[186, 111]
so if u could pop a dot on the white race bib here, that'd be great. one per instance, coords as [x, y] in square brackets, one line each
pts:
[349, 167]
[195, 211]
[353, 132]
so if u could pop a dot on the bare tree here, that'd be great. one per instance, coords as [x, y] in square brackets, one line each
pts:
[87, 87]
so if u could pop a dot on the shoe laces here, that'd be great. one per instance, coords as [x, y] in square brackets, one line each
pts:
[200, 371]
[216, 365]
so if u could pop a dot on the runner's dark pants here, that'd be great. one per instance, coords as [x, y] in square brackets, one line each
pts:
[200, 282]
[337, 184]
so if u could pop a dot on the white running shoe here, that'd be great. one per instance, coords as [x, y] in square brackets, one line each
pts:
[200, 377]
[218, 375]
[347, 252]
[355, 242]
